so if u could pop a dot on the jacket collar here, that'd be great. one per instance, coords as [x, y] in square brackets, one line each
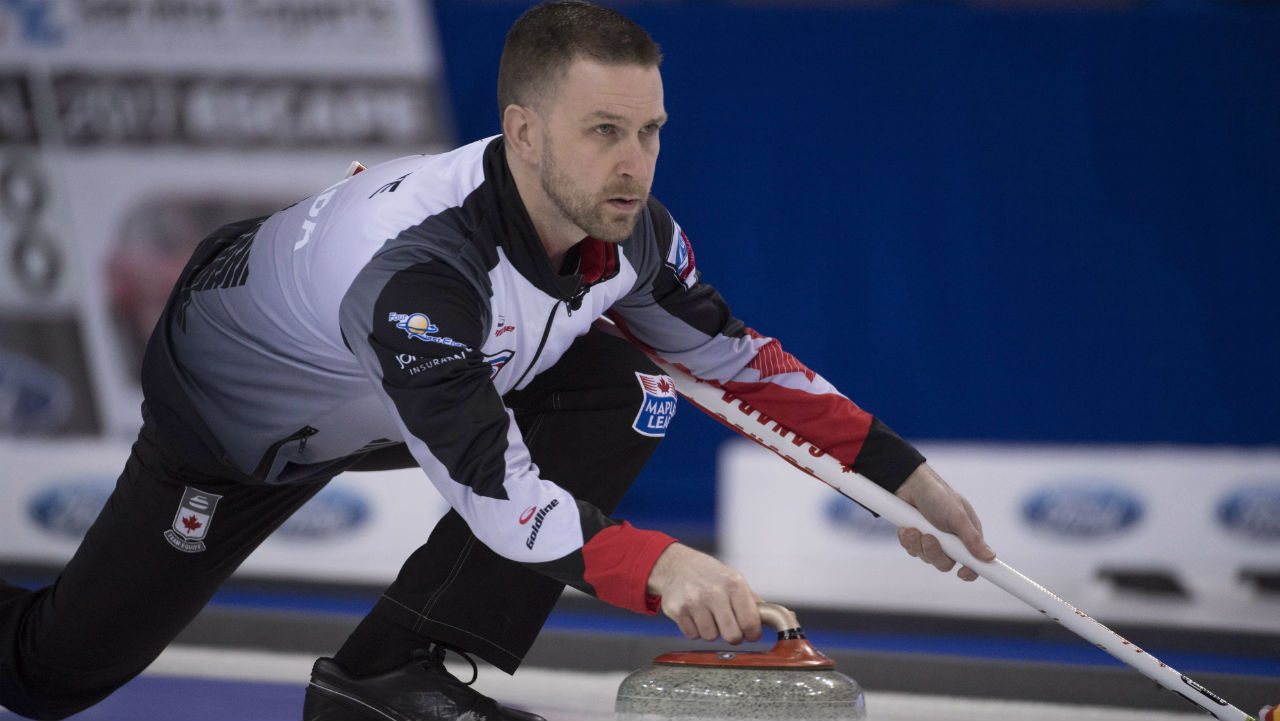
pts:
[515, 231]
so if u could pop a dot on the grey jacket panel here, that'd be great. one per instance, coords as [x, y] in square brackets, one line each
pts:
[400, 304]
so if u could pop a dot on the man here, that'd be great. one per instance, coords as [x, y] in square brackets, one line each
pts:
[443, 312]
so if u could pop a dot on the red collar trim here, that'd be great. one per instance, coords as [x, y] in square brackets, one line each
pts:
[597, 260]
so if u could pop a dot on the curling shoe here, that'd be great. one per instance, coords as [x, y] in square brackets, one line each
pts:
[421, 690]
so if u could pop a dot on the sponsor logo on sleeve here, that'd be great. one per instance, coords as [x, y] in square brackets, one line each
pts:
[420, 327]
[1083, 511]
[313, 214]
[537, 522]
[497, 361]
[416, 365]
[392, 186]
[681, 258]
[191, 522]
[501, 327]
[658, 407]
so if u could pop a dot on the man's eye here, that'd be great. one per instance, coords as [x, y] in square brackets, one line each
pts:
[651, 129]
[605, 129]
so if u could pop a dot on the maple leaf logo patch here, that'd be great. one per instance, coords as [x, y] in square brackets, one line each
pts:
[191, 523]
[658, 406]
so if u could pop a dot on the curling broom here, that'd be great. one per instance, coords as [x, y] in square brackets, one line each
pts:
[740, 416]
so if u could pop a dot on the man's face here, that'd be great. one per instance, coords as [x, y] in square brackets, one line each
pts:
[600, 146]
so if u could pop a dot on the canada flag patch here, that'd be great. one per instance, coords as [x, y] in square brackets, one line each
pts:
[191, 522]
[659, 405]
[682, 259]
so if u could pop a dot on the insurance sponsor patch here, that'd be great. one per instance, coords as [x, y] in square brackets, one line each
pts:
[659, 405]
[420, 327]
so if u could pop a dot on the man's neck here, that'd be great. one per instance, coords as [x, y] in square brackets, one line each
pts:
[557, 234]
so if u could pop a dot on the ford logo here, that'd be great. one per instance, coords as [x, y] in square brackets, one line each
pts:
[849, 516]
[1083, 511]
[331, 513]
[69, 509]
[1252, 512]
[34, 398]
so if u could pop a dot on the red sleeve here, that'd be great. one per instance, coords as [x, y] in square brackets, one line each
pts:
[677, 317]
[618, 562]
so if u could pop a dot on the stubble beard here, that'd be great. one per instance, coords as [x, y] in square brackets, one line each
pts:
[580, 208]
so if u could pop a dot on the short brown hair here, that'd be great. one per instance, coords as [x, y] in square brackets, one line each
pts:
[547, 38]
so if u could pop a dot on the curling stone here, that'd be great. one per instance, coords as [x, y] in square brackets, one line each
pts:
[792, 681]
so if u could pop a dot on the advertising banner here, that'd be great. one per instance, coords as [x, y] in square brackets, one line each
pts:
[1132, 533]
[359, 529]
[129, 130]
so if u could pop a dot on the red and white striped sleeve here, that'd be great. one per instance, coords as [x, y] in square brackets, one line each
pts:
[686, 322]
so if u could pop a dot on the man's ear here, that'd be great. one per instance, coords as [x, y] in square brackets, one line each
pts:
[522, 130]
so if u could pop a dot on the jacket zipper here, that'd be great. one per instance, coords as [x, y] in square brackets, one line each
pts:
[269, 458]
[575, 301]
[571, 304]
[546, 332]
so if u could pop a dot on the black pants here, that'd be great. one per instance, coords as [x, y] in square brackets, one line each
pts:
[127, 592]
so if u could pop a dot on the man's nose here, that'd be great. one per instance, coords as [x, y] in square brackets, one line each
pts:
[633, 160]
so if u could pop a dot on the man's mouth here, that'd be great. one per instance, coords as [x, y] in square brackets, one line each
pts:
[624, 203]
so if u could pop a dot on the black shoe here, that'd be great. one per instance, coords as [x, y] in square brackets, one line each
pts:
[421, 690]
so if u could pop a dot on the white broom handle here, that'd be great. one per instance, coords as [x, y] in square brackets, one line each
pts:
[817, 463]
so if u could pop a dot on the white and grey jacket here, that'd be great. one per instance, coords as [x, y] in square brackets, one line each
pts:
[399, 305]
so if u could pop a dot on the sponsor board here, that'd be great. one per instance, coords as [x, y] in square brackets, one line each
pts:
[130, 129]
[1252, 512]
[35, 399]
[66, 509]
[334, 514]
[1084, 509]
[250, 112]
[854, 519]
[378, 37]
[359, 529]
[45, 384]
[1069, 517]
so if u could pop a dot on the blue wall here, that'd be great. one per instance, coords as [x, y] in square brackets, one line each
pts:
[1009, 225]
